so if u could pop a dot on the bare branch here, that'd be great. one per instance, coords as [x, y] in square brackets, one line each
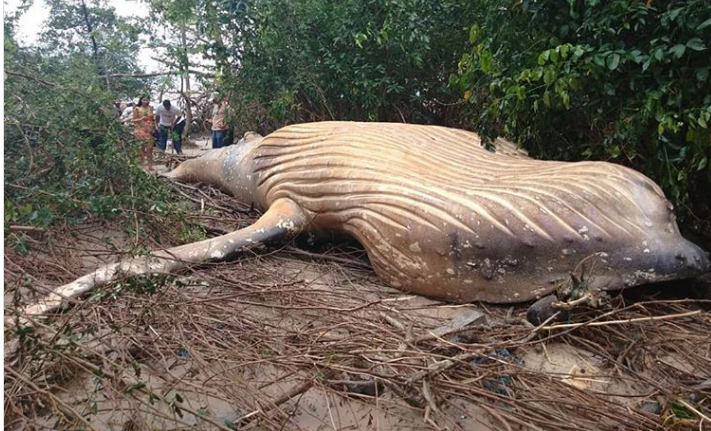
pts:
[154, 74]
[32, 78]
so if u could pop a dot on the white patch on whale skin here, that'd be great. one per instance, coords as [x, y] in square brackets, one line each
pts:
[287, 224]
[415, 247]
[450, 271]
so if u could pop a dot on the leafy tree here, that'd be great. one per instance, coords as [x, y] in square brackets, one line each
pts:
[177, 35]
[66, 155]
[93, 30]
[373, 60]
[626, 80]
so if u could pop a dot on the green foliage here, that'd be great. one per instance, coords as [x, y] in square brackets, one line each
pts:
[94, 32]
[625, 80]
[350, 60]
[66, 156]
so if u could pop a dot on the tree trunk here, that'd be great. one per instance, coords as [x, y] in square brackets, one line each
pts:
[90, 32]
[185, 71]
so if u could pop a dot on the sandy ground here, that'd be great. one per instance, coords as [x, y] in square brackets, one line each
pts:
[316, 408]
[220, 384]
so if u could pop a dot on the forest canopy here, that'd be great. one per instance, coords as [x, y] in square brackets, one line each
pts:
[624, 80]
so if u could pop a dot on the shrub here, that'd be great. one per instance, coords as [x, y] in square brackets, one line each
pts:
[626, 80]
[66, 155]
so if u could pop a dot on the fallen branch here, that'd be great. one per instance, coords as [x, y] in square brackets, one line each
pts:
[65, 408]
[623, 321]
[19, 228]
[295, 391]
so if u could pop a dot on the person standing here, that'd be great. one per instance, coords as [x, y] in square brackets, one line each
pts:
[178, 133]
[127, 113]
[166, 114]
[143, 122]
[219, 127]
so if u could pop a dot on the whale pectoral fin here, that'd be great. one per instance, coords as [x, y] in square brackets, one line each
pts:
[284, 219]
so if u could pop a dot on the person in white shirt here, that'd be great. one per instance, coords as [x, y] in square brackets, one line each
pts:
[127, 114]
[165, 117]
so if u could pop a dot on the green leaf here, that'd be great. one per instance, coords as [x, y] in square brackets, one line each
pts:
[702, 122]
[614, 151]
[564, 49]
[659, 54]
[543, 57]
[674, 14]
[554, 56]
[537, 74]
[636, 56]
[549, 76]
[704, 24]
[25, 209]
[359, 39]
[612, 61]
[473, 33]
[702, 164]
[486, 62]
[565, 97]
[696, 44]
[599, 60]
[678, 50]
[579, 51]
